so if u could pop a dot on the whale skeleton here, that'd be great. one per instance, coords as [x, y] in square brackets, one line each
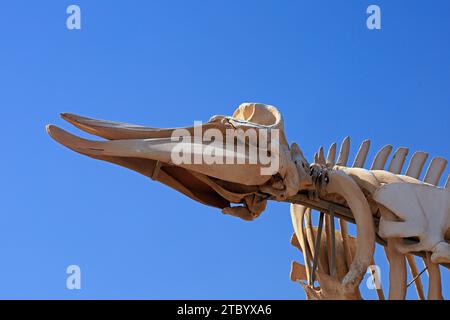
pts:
[408, 216]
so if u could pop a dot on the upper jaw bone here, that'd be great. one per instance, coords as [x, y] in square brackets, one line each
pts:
[113, 130]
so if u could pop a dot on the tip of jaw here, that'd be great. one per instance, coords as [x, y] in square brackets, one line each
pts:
[54, 131]
[73, 142]
[49, 129]
[68, 116]
[76, 120]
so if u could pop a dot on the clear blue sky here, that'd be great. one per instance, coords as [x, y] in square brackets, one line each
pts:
[167, 63]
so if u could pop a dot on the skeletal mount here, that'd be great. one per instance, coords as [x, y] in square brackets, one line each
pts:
[408, 216]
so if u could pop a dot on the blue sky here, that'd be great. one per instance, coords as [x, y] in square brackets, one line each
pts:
[168, 63]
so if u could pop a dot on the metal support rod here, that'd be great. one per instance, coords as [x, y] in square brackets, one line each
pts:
[416, 277]
[333, 244]
[415, 273]
[317, 247]
[156, 170]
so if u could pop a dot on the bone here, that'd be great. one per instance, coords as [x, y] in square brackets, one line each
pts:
[159, 149]
[415, 275]
[302, 166]
[434, 282]
[342, 184]
[112, 130]
[416, 164]
[359, 162]
[435, 170]
[399, 229]
[341, 264]
[361, 156]
[298, 272]
[239, 212]
[414, 170]
[295, 242]
[397, 271]
[331, 155]
[381, 157]
[423, 211]
[376, 277]
[441, 252]
[230, 196]
[297, 216]
[344, 152]
[310, 231]
[343, 225]
[397, 263]
[345, 242]
[321, 156]
[398, 160]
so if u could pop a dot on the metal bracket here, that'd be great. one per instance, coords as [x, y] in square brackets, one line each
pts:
[156, 170]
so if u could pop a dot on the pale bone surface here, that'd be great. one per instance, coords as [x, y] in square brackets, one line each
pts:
[407, 215]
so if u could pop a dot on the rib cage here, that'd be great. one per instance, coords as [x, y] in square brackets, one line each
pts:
[414, 169]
